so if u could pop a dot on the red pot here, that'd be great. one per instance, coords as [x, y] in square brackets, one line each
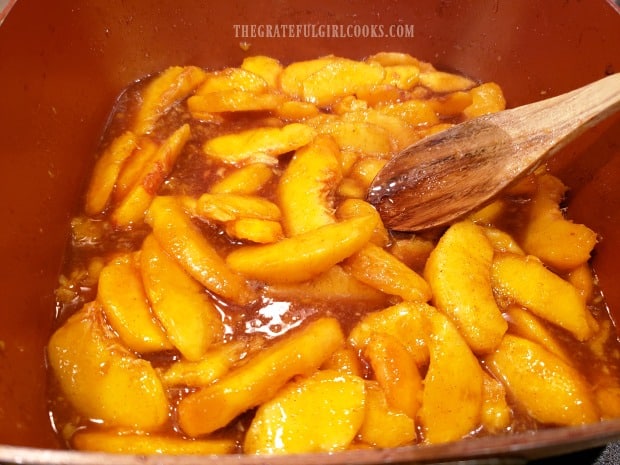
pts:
[62, 64]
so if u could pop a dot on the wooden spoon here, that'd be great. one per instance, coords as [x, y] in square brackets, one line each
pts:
[445, 176]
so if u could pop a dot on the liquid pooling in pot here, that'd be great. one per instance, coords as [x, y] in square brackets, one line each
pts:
[228, 289]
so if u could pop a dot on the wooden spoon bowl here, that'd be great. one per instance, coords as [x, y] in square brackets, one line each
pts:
[445, 176]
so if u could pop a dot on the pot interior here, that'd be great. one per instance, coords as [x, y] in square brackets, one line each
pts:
[63, 63]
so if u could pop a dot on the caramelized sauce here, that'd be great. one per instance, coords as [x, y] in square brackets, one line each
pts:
[95, 241]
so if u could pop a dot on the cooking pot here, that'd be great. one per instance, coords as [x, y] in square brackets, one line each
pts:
[63, 63]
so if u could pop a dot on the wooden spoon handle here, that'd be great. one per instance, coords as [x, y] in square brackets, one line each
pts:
[558, 120]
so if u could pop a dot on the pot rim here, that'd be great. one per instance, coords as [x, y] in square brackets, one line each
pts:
[510, 448]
